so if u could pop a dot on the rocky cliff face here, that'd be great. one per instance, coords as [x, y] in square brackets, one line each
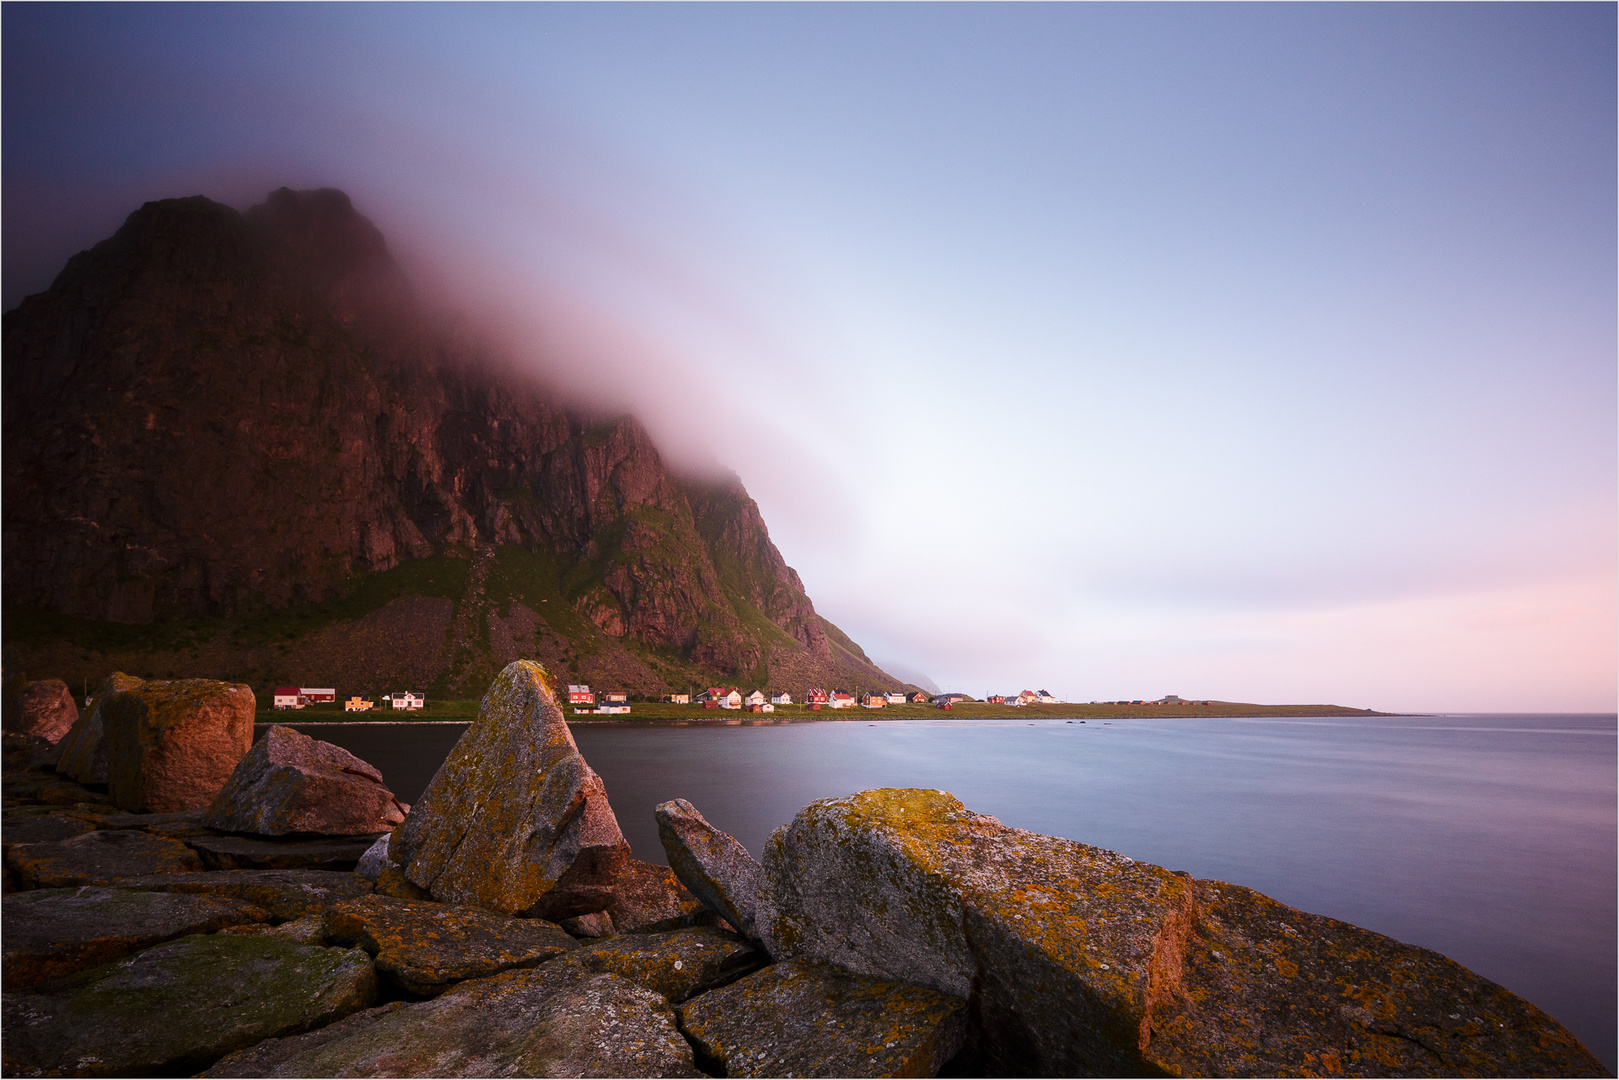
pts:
[214, 415]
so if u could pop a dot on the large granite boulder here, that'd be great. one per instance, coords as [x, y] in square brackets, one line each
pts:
[427, 947]
[82, 752]
[97, 858]
[800, 1018]
[47, 709]
[1079, 961]
[712, 864]
[677, 963]
[291, 783]
[518, 1023]
[514, 820]
[177, 1007]
[285, 894]
[172, 744]
[50, 933]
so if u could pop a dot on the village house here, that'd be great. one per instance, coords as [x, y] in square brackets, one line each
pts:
[839, 700]
[920, 698]
[781, 699]
[724, 698]
[406, 699]
[895, 698]
[755, 698]
[1045, 698]
[996, 699]
[875, 701]
[677, 699]
[288, 697]
[816, 699]
[614, 697]
[948, 699]
[580, 695]
[358, 704]
[318, 695]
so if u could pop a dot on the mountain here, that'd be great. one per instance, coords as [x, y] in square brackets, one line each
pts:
[236, 444]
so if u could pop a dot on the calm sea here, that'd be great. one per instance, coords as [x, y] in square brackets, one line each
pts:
[1489, 838]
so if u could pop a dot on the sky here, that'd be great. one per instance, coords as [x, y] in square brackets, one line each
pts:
[1251, 352]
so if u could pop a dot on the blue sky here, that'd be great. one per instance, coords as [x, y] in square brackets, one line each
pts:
[1258, 352]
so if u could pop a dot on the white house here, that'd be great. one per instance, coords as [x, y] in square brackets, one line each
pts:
[614, 697]
[677, 699]
[781, 699]
[839, 700]
[896, 698]
[407, 699]
[755, 698]
[1045, 698]
[288, 697]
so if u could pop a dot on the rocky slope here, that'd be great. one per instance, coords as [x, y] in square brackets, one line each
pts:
[235, 444]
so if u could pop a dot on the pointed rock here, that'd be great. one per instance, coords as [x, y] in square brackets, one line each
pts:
[514, 820]
[291, 783]
[712, 864]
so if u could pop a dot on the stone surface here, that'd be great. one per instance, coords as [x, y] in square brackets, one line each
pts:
[50, 933]
[514, 820]
[82, 753]
[426, 947]
[47, 710]
[291, 783]
[650, 898]
[22, 753]
[1271, 990]
[1079, 961]
[800, 1018]
[677, 963]
[96, 858]
[37, 828]
[285, 894]
[375, 860]
[177, 1007]
[519, 1023]
[713, 865]
[309, 930]
[253, 853]
[171, 744]
[393, 882]
[48, 789]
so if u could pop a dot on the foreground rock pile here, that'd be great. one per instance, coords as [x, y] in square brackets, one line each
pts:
[502, 929]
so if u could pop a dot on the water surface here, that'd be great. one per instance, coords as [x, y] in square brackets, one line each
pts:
[1489, 838]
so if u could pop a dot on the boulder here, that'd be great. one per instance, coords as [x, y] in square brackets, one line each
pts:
[172, 744]
[375, 860]
[177, 1007]
[285, 894]
[50, 933]
[650, 898]
[597, 924]
[677, 963]
[427, 947]
[309, 930]
[291, 783]
[82, 753]
[48, 789]
[23, 753]
[96, 858]
[519, 1023]
[800, 1018]
[1080, 961]
[713, 865]
[514, 820]
[1271, 990]
[47, 710]
[37, 828]
[254, 853]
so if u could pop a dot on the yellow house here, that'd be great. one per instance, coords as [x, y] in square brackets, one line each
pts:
[358, 704]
